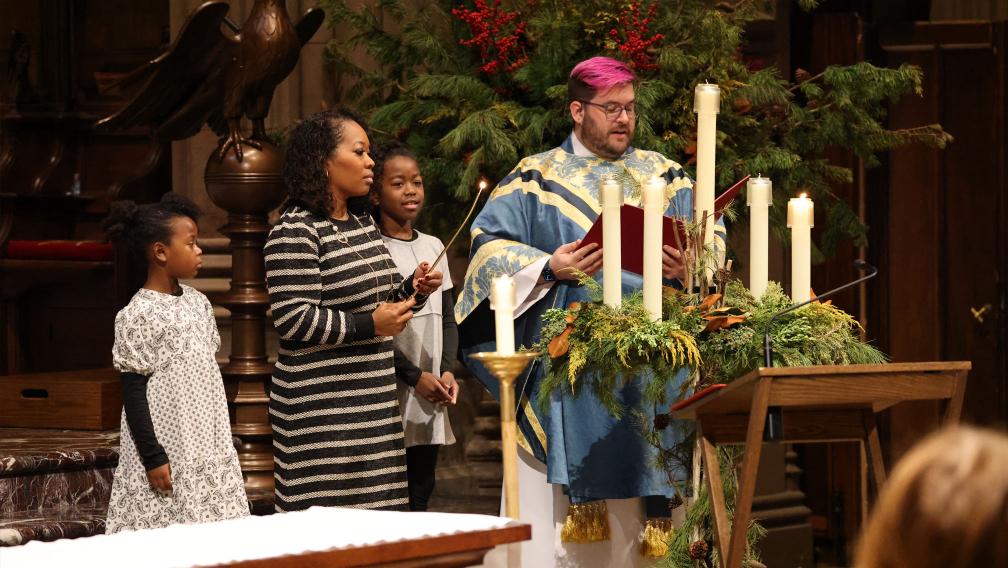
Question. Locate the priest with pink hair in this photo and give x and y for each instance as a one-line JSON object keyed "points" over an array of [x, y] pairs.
{"points": [[584, 476]]}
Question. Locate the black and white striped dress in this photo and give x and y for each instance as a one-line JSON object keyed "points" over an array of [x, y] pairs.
{"points": [[337, 432]]}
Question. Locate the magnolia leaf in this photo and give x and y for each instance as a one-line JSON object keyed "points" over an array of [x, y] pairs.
{"points": [[722, 322], [724, 311], [559, 345], [706, 304], [816, 300]]}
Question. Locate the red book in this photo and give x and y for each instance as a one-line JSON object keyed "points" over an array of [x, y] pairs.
{"points": [[632, 236], [632, 230]]}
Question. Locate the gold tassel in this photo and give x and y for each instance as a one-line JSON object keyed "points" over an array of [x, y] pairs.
{"points": [[586, 522], [655, 537]]}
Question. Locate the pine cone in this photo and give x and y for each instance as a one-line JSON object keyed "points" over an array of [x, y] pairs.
{"points": [[675, 502], [661, 421], [698, 550]]}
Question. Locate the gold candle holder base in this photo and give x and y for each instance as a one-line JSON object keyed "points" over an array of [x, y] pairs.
{"points": [[506, 368]]}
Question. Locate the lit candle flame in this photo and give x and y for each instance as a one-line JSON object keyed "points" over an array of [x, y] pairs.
{"points": [[802, 195], [482, 184]]}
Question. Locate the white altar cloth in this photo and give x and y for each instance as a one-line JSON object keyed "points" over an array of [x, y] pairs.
{"points": [[251, 538]]}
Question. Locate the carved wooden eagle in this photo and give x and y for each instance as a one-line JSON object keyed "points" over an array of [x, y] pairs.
{"points": [[214, 77]]}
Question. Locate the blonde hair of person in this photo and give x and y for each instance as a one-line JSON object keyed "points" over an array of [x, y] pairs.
{"points": [[945, 505]]}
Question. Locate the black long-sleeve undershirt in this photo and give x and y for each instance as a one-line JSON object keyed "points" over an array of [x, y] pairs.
{"points": [[134, 398], [449, 350]]}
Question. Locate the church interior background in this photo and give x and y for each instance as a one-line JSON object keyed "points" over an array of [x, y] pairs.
{"points": [[937, 222]]}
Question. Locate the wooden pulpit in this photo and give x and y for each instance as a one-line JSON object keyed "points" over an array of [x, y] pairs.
{"points": [[817, 404]]}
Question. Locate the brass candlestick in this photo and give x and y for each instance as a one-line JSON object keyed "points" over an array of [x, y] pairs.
{"points": [[506, 368]]}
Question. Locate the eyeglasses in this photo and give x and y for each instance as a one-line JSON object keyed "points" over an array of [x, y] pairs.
{"points": [[614, 110]]}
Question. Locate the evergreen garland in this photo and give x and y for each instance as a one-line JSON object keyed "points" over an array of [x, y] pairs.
{"points": [[591, 344], [473, 85], [817, 334]]}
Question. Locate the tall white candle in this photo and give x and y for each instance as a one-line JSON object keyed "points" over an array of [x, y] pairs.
{"points": [[611, 194], [759, 196], [502, 302], [800, 219], [706, 104], [653, 200]]}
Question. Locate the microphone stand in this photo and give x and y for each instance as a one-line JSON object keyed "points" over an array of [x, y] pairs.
{"points": [[774, 423]]}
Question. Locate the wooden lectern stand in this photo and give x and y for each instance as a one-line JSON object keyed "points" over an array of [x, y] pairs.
{"points": [[818, 404]]}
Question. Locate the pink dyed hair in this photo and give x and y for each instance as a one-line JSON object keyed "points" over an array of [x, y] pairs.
{"points": [[597, 74]]}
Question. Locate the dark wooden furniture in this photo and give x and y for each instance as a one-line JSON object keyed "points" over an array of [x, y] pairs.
{"points": [[819, 404], [940, 219], [82, 400], [57, 314]]}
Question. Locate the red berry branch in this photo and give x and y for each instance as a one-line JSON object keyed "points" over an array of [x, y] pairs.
{"points": [[497, 35], [634, 42]]}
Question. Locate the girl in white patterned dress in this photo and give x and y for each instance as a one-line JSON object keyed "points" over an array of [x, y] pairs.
{"points": [[177, 462]]}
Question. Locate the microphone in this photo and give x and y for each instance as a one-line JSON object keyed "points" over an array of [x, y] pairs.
{"points": [[774, 427], [858, 264]]}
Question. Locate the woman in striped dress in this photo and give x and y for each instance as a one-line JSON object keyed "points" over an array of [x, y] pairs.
{"points": [[336, 298]]}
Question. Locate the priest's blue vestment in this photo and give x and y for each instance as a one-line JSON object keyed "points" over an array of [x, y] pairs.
{"points": [[550, 199]]}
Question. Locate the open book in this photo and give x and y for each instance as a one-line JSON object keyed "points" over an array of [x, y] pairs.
{"points": [[632, 229]]}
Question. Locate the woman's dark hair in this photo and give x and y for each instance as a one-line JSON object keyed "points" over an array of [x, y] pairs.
{"points": [[137, 227], [380, 155], [310, 144]]}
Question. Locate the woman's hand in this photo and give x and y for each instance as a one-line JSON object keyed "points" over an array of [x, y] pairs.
{"points": [[425, 280], [160, 478], [568, 259], [431, 389], [391, 318], [450, 385]]}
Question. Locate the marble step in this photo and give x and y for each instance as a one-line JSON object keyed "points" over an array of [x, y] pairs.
{"points": [[54, 483], [20, 527], [31, 451]]}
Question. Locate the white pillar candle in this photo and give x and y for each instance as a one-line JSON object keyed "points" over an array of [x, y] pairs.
{"points": [[800, 220], [611, 194], [653, 200], [759, 196], [502, 302], [706, 104]]}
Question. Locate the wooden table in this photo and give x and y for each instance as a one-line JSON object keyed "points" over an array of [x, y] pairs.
{"points": [[818, 404]]}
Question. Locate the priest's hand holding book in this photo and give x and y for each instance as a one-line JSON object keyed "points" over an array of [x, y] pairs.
{"points": [[672, 264], [568, 261]]}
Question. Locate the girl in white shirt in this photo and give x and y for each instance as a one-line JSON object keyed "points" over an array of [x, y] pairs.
{"points": [[426, 350]]}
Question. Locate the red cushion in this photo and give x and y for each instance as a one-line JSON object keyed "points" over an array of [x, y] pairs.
{"points": [[59, 250]]}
